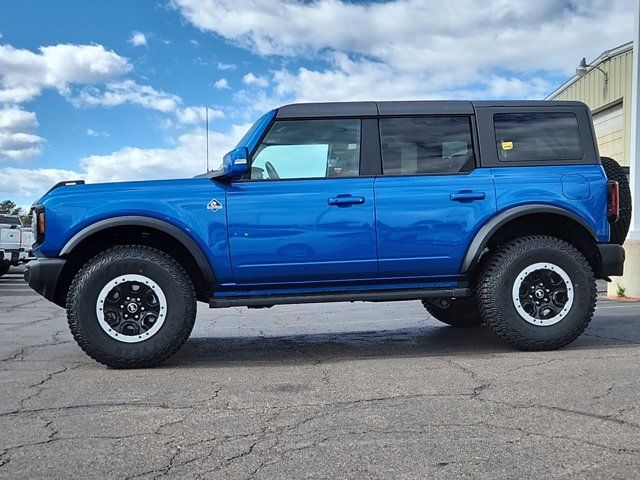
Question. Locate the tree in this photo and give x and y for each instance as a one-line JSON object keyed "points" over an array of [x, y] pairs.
{"points": [[10, 208]]}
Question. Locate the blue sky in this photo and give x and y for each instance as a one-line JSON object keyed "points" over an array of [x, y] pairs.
{"points": [[115, 90]]}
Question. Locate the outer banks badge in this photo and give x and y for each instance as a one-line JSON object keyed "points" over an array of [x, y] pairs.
{"points": [[214, 205]]}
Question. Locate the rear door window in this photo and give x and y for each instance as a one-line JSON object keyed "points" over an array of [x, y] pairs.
{"points": [[531, 137], [426, 145]]}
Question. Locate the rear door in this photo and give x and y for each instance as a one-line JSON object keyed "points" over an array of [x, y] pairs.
{"points": [[431, 198], [305, 215]]}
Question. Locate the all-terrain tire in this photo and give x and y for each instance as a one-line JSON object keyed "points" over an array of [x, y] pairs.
{"points": [[615, 172], [460, 312], [494, 292], [102, 269]]}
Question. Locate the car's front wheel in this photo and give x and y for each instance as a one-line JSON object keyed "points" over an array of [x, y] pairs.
{"points": [[131, 306], [537, 293]]}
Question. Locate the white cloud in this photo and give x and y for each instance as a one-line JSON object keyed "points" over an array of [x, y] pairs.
{"points": [[31, 183], [90, 132], [17, 140], [194, 42], [226, 66], [415, 48], [255, 80], [24, 74], [126, 91], [221, 84], [197, 115], [138, 39], [186, 159]]}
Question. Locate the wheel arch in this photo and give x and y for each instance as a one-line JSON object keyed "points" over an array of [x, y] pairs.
{"points": [[136, 229], [533, 219]]}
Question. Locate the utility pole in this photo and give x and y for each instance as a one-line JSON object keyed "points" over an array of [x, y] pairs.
{"points": [[206, 114], [634, 160]]}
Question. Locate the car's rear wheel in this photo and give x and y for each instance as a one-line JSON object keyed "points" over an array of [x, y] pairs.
{"points": [[131, 306], [615, 172], [456, 312], [537, 293]]}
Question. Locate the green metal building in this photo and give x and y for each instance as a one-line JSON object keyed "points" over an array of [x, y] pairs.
{"points": [[606, 89]]}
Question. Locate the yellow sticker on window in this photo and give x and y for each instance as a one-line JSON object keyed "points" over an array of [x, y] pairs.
{"points": [[507, 145]]}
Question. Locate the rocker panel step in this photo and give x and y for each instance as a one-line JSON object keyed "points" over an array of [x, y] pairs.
{"points": [[359, 296]]}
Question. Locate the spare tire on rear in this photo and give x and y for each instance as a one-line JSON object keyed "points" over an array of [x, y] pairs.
{"points": [[615, 172]]}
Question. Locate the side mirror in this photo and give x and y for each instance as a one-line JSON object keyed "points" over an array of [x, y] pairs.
{"points": [[235, 163]]}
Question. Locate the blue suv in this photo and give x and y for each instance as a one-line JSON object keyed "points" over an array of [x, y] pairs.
{"points": [[494, 213]]}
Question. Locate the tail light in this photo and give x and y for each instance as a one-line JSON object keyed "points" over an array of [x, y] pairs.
{"points": [[613, 201]]}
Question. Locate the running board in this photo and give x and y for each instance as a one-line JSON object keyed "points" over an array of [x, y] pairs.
{"points": [[359, 296]]}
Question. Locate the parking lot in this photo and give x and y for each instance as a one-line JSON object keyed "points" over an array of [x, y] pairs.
{"points": [[322, 391]]}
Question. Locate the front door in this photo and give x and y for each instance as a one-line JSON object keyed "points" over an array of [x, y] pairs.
{"points": [[430, 200], [305, 215]]}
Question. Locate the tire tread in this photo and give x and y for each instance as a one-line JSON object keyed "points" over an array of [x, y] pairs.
{"points": [[488, 286], [137, 252]]}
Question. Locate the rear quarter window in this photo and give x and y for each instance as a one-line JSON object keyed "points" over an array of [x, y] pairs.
{"points": [[527, 137]]}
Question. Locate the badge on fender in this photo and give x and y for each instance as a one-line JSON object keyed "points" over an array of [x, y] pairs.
{"points": [[214, 205]]}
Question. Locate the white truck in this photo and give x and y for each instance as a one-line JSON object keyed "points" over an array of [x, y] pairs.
{"points": [[15, 242]]}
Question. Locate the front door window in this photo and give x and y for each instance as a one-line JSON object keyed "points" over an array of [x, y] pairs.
{"points": [[298, 149]]}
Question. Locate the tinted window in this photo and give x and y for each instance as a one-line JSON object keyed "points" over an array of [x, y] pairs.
{"points": [[426, 145], [6, 220], [537, 136], [308, 149]]}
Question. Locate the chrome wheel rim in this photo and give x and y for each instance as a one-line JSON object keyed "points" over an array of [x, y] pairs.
{"points": [[131, 308], [543, 294]]}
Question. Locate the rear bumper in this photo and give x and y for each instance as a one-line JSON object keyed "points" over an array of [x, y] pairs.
{"points": [[11, 256], [611, 260], [43, 274]]}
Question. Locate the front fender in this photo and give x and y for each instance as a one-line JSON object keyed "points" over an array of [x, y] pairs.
{"points": [[137, 220]]}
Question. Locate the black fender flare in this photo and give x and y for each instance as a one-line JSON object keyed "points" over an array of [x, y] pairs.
{"points": [[138, 220], [485, 233]]}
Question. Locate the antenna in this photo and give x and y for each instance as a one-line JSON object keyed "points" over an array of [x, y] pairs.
{"points": [[207, 128]]}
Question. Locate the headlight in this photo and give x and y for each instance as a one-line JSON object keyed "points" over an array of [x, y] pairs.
{"points": [[38, 223]]}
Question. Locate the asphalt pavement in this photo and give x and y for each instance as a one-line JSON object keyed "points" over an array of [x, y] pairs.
{"points": [[344, 390]]}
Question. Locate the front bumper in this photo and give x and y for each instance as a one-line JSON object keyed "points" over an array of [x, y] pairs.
{"points": [[43, 274], [611, 260]]}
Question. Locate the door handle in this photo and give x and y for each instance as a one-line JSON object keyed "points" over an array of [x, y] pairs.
{"points": [[344, 200], [466, 196]]}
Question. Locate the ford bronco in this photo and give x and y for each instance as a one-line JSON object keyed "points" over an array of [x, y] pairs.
{"points": [[491, 213]]}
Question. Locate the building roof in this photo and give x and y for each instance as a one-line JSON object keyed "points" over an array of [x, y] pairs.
{"points": [[604, 56], [418, 107]]}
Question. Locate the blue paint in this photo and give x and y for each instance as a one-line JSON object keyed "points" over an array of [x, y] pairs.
{"points": [[421, 230], [286, 230], [182, 203], [334, 234], [543, 185]]}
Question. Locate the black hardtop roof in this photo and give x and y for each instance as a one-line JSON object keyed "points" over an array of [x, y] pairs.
{"points": [[418, 107]]}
